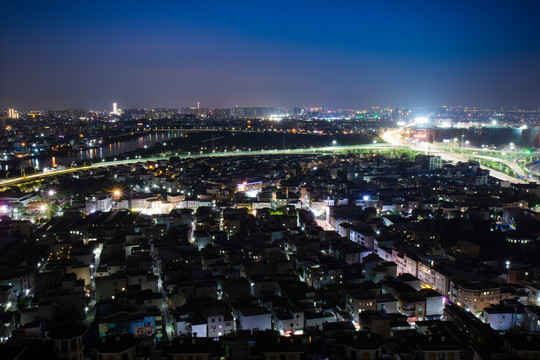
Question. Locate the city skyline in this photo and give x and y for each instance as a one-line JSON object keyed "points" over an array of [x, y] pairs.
{"points": [[347, 55], [117, 110]]}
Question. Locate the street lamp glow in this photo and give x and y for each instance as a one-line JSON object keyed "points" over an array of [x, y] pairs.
{"points": [[51, 192], [421, 120], [116, 192]]}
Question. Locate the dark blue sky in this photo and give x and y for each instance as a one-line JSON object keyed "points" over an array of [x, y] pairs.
{"points": [[84, 54]]}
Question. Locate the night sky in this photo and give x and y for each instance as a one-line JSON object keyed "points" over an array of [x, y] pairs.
{"points": [[79, 54]]}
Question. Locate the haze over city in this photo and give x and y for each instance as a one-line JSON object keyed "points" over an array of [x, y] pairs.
{"points": [[349, 54]]}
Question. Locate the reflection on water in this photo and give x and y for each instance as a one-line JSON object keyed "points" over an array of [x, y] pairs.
{"points": [[112, 149]]}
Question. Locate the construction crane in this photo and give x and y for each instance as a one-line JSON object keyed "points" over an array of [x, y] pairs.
{"points": [[213, 140]]}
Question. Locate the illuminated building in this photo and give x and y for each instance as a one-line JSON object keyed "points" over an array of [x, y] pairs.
{"points": [[250, 188], [13, 114], [476, 296], [116, 110]]}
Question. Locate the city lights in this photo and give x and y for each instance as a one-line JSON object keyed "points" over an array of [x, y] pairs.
{"points": [[117, 192], [270, 180]]}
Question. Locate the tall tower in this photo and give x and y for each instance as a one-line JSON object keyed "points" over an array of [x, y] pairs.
{"points": [[115, 109]]}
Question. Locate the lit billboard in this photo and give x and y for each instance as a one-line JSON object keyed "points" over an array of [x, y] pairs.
{"points": [[144, 327]]}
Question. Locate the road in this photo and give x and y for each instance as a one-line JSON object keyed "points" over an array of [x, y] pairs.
{"points": [[392, 138], [532, 169], [102, 164]]}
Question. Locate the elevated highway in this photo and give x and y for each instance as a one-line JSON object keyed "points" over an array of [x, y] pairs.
{"points": [[327, 149], [392, 138]]}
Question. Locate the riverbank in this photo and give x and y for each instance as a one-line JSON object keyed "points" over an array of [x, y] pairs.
{"points": [[115, 145], [218, 141], [151, 143]]}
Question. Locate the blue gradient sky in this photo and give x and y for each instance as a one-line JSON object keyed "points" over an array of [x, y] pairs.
{"points": [[283, 53]]}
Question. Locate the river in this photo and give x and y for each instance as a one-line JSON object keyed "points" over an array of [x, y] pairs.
{"points": [[93, 154], [180, 139]]}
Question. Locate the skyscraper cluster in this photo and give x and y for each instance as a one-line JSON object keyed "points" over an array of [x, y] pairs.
{"points": [[13, 114]]}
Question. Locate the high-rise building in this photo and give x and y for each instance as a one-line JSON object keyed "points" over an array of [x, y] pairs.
{"points": [[253, 112], [115, 109], [13, 114], [72, 114], [202, 112], [221, 113]]}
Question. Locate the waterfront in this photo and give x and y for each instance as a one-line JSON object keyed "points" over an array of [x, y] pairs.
{"points": [[102, 152], [154, 143]]}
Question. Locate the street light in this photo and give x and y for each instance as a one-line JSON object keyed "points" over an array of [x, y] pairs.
{"points": [[51, 192], [116, 192]]}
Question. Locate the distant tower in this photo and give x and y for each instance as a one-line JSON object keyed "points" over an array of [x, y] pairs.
{"points": [[115, 109], [198, 105]]}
